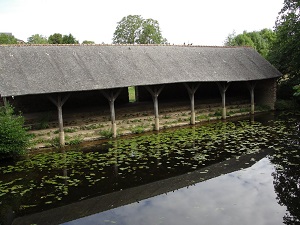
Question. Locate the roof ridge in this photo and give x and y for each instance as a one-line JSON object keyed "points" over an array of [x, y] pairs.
{"points": [[150, 45]]}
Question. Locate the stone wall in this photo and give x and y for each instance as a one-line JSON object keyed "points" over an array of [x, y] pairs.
{"points": [[265, 92]]}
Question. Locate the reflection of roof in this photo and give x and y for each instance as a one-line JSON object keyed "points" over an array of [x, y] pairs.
{"points": [[116, 199], [63, 68]]}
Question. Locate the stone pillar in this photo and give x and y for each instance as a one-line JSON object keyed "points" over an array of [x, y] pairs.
{"points": [[223, 86], [111, 97], [192, 88], [59, 102], [251, 86], [155, 91]]}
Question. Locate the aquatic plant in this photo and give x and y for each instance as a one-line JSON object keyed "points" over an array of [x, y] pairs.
{"points": [[50, 178]]}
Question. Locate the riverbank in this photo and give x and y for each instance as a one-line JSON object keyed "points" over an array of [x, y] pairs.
{"points": [[134, 118]]}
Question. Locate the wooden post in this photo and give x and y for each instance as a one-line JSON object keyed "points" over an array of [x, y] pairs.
{"points": [[155, 91], [223, 86], [59, 102], [5, 103], [111, 97], [191, 91], [251, 85], [136, 94]]}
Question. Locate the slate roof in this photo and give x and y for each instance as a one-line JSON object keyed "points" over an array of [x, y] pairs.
{"points": [[39, 69]]}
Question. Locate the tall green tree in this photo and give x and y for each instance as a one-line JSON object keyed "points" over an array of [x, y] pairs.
{"points": [[133, 29], [285, 53], [37, 39], [7, 39], [55, 38], [69, 39], [286, 49], [259, 40]]}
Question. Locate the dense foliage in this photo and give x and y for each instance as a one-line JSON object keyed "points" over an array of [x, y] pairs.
{"points": [[133, 29], [58, 38], [37, 39], [259, 40], [13, 136], [7, 39], [285, 53]]}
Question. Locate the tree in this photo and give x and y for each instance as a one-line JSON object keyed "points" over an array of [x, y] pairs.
{"points": [[259, 40], [134, 29], [69, 39], [7, 39], [151, 33], [37, 39], [85, 42], [13, 136], [285, 53], [55, 38]]}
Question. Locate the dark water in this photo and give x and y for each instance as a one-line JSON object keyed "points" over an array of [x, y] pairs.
{"points": [[238, 172]]}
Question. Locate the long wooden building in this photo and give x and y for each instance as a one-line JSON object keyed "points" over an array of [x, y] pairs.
{"points": [[33, 76]]}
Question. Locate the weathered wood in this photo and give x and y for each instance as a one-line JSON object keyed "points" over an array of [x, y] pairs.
{"points": [[5, 103], [59, 102], [111, 97], [155, 91], [192, 88], [251, 86], [136, 92], [223, 86]]}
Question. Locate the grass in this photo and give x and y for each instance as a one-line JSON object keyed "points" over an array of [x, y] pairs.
{"points": [[131, 93]]}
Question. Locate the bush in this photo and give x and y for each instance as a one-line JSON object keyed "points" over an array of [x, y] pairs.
{"points": [[14, 139], [286, 105], [106, 133], [137, 130]]}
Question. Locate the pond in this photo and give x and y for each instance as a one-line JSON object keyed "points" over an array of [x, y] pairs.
{"points": [[234, 172]]}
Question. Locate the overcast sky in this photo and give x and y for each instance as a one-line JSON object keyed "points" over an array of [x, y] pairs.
{"points": [[200, 22]]}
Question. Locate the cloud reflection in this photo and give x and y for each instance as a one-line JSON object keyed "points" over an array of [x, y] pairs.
{"points": [[243, 197]]}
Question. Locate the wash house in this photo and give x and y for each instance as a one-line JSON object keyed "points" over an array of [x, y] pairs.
{"points": [[38, 78]]}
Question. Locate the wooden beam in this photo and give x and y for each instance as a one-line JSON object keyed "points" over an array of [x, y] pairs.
{"points": [[192, 88], [111, 96], [59, 102], [223, 86], [251, 86], [155, 91]]}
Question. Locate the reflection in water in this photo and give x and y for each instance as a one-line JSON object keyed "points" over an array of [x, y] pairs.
{"points": [[287, 176], [128, 171], [243, 197]]}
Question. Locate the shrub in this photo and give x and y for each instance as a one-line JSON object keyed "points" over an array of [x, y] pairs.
{"points": [[75, 141], [14, 138], [286, 104], [106, 133], [218, 113], [137, 130]]}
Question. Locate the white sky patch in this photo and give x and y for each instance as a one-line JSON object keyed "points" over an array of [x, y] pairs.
{"points": [[192, 21]]}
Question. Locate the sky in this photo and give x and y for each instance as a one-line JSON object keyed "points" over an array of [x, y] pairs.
{"points": [[197, 22]]}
